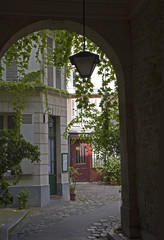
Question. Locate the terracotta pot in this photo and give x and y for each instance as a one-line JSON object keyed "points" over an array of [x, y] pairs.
{"points": [[25, 204], [72, 196], [113, 182]]}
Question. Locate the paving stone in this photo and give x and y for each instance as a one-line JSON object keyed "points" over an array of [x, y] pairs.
{"points": [[103, 235], [95, 196], [97, 224], [104, 220], [92, 226], [105, 224], [91, 237], [95, 234]]}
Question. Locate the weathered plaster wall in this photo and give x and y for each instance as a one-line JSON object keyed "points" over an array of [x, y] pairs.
{"points": [[146, 30]]}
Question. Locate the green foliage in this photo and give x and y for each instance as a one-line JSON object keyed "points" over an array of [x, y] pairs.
{"points": [[23, 196], [112, 170], [13, 148], [104, 125], [62, 51], [5, 196], [21, 50]]}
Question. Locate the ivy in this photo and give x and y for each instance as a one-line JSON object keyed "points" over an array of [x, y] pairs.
{"points": [[104, 125]]}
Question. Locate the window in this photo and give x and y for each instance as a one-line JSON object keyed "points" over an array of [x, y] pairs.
{"points": [[74, 81], [10, 122], [11, 71], [50, 66], [58, 78], [80, 153], [1, 122], [74, 111], [7, 121], [96, 162], [27, 118]]}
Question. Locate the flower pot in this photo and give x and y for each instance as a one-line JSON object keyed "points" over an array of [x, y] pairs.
{"points": [[25, 204], [72, 196], [113, 182]]}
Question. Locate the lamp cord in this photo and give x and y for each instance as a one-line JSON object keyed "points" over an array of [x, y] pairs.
{"points": [[84, 24]]}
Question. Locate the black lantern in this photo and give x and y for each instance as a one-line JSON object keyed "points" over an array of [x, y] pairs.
{"points": [[84, 61], [50, 119], [50, 122]]}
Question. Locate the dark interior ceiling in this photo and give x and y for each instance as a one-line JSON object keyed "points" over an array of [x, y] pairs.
{"points": [[106, 9]]}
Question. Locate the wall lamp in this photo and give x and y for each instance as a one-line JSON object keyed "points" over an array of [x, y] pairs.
{"points": [[85, 62], [50, 118]]}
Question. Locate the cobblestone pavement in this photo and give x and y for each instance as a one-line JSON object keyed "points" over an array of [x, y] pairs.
{"points": [[89, 198]]}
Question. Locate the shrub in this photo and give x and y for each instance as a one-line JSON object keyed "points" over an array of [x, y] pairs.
{"points": [[112, 170], [13, 149]]}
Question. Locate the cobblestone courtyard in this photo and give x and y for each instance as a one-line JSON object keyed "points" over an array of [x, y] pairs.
{"points": [[90, 198]]}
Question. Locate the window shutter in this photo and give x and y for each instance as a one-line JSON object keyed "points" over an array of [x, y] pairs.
{"points": [[11, 122], [27, 118], [50, 67], [11, 71], [74, 81], [1, 122], [58, 78]]}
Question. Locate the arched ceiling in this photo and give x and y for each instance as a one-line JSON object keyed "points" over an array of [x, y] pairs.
{"points": [[103, 9]]}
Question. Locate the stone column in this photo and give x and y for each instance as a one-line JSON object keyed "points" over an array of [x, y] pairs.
{"points": [[129, 210]]}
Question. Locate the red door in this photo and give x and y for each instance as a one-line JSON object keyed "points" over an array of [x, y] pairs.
{"points": [[81, 157]]}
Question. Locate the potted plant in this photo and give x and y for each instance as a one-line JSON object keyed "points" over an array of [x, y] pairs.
{"points": [[23, 196], [113, 181], [73, 174]]}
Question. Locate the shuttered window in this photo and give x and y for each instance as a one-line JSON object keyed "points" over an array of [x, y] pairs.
{"points": [[50, 67], [11, 71], [7, 121], [74, 81], [1, 122], [27, 118], [58, 78], [10, 122]]}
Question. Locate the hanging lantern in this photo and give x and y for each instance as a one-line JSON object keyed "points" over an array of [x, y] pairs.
{"points": [[85, 62]]}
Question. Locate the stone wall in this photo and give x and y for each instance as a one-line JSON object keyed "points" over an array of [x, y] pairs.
{"points": [[146, 32]]}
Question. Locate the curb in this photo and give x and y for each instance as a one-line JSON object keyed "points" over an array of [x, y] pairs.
{"points": [[113, 235], [5, 229]]}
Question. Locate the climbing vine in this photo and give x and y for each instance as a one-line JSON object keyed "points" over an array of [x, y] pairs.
{"points": [[103, 125]]}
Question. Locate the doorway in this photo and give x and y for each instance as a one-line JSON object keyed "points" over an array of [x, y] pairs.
{"points": [[81, 160], [52, 157]]}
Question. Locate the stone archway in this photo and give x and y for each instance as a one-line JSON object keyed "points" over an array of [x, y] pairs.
{"points": [[130, 221]]}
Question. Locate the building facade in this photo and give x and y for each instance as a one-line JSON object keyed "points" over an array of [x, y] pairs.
{"points": [[45, 178], [81, 154], [130, 33]]}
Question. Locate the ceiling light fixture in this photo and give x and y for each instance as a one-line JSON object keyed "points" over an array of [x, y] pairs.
{"points": [[85, 61]]}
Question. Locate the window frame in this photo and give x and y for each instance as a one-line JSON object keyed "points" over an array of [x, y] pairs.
{"points": [[80, 154]]}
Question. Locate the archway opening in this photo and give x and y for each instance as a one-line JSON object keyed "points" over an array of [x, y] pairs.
{"points": [[57, 121]]}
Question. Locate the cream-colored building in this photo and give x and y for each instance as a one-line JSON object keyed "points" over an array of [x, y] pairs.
{"points": [[47, 177], [131, 34]]}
